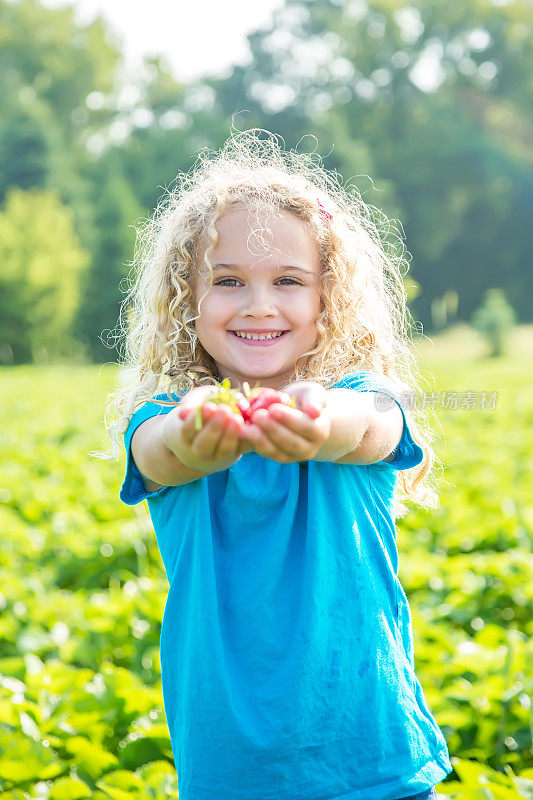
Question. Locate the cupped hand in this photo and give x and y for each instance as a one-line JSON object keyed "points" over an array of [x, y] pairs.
{"points": [[219, 443], [286, 434]]}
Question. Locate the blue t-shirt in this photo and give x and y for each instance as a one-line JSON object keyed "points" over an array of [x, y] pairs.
{"points": [[286, 643]]}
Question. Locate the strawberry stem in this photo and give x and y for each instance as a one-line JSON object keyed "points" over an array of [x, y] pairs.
{"points": [[198, 419]]}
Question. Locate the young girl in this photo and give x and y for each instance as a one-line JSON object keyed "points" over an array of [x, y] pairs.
{"points": [[286, 643]]}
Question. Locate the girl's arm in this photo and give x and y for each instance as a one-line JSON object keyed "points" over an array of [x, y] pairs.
{"points": [[337, 425], [363, 430], [157, 464]]}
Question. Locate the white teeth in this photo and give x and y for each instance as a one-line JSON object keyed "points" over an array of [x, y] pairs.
{"points": [[259, 335]]}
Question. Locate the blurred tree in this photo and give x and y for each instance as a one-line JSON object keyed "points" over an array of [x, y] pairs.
{"points": [[435, 100], [444, 309], [169, 125], [494, 320], [116, 209], [28, 139], [42, 261], [108, 143], [161, 131], [49, 53], [54, 77]]}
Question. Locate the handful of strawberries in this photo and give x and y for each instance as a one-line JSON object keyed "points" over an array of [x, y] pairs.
{"points": [[244, 404]]}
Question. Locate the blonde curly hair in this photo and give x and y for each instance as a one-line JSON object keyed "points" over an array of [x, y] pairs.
{"points": [[364, 322]]}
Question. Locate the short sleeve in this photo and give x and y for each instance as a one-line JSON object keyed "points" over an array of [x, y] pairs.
{"points": [[133, 490], [408, 453]]}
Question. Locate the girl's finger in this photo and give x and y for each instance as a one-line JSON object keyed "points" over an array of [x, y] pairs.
{"points": [[298, 422], [260, 442], [275, 439], [208, 441], [310, 410], [189, 431], [230, 440], [312, 402]]}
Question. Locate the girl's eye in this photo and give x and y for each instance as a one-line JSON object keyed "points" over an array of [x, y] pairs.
{"points": [[223, 282]]}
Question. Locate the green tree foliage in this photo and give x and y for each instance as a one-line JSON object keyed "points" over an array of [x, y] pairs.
{"points": [[108, 144], [47, 51], [42, 261], [115, 211], [164, 128], [494, 320], [48, 67], [434, 99], [28, 139], [54, 78], [168, 125]]}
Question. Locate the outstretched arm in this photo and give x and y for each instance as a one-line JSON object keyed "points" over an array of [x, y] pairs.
{"points": [[363, 430], [337, 425]]}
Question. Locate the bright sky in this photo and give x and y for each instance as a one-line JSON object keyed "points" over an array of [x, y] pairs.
{"points": [[199, 37]]}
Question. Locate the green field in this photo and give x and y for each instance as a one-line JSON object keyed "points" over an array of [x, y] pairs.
{"points": [[82, 588]]}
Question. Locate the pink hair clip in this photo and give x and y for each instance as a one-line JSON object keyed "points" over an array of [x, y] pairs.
{"points": [[323, 213]]}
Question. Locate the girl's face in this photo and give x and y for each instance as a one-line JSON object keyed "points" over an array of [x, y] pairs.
{"points": [[269, 286]]}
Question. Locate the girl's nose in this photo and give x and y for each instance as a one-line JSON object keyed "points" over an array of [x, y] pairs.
{"points": [[259, 301]]}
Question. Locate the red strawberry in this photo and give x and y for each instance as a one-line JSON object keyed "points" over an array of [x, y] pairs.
{"points": [[265, 398]]}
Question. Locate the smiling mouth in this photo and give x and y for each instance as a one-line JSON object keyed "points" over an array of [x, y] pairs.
{"points": [[258, 341], [262, 340]]}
